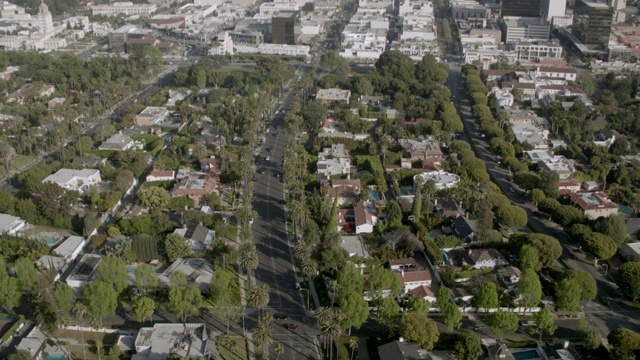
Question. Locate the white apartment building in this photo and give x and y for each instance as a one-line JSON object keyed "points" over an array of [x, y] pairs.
{"points": [[11, 225], [503, 97], [387, 5], [569, 74], [267, 10], [123, 8], [532, 51], [416, 48], [553, 8], [363, 45], [272, 49], [75, 180], [487, 57], [335, 166]]}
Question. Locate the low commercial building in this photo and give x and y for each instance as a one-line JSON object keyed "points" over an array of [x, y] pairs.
{"points": [[75, 180], [486, 57], [167, 21], [594, 204], [123, 8], [162, 341], [537, 50]]}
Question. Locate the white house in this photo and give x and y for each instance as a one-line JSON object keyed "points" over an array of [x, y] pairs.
{"points": [[76, 180], [161, 175], [414, 279], [366, 217], [402, 264], [486, 258], [10, 225], [425, 293], [510, 276], [70, 248], [442, 179], [200, 237]]}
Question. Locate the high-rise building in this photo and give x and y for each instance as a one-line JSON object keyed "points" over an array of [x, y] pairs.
{"points": [[619, 16], [285, 27], [524, 8], [592, 23], [552, 8]]}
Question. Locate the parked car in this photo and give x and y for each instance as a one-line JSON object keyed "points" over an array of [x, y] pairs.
{"points": [[292, 326], [280, 317]]}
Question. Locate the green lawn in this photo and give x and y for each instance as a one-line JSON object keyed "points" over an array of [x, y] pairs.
{"points": [[18, 163], [90, 339], [238, 352]]}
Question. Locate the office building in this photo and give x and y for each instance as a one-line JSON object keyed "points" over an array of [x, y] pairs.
{"points": [[525, 8], [619, 16], [553, 8], [592, 23], [516, 29], [286, 27]]}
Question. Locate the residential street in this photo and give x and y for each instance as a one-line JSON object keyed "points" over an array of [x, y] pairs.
{"points": [[621, 314]]}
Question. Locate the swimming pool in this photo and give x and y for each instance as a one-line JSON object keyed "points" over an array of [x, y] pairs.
{"points": [[49, 240], [526, 355], [56, 356], [374, 195]]}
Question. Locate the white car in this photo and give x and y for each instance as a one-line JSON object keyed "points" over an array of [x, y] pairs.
{"points": [[267, 130], [267, 158], [251, 221]]}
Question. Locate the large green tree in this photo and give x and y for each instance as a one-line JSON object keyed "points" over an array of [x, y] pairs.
{"points": [[185, 301], [26, 273], [628, 279], [101, 299], [224, 293], [355, 309], [113, 271], [529, 289], [175, 247], [142, 308], [625, 343], [543, 323], [568, 294], [146, 279], [503, 322], [589, 289], [467, 346], [487, 298], [529, 258], [63, 296], [419, 329], [155, 197]]}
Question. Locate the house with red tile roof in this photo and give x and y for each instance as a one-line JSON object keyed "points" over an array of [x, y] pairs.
{"points": [[402, 264], [486, 258], [414, 279], [196, 188], [347, 190], [161, 175], [594, 204], [365, 217], [424, 292]]}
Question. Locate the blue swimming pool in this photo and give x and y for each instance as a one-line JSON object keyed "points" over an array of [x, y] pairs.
{"points": [[374, 195], [49, 240], [56, 356], [526, 355]]}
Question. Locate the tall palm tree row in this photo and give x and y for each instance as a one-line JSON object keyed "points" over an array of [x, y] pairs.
{"points": [[259, 298], [263, 337], [248, 258]]}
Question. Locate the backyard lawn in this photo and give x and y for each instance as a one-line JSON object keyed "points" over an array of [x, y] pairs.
{"points": [[74, 339]]}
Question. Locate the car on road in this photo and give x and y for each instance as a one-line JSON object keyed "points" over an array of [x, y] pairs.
{"points": [[267, 158], [268, 149], [297, 286], [292, 326], [280, 317], [251, 221], [512, 189], [267, 130]]}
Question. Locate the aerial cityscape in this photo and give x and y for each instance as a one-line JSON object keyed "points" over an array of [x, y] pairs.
{"points": [[320, 179]]}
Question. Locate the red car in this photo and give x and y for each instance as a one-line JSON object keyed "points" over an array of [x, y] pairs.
{"points": [[292, 326]]}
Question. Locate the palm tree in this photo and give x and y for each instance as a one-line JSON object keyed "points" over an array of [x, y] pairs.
{"points": [[259, 298], [248, 259], [262, 337], [353, 345], [331, 330], [302, 250], [309, 267], [199, 151], [279, 349], [79, 310], [298, 213]]}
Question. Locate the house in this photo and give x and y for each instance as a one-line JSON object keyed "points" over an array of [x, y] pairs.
{"points": [[594, 204], [402, 264], [420, 148], [447, 207], [365, 217], [606, 137], [84, 272], [590, 186], [630, 251], [161, 175], [374, 101], [347, 190], [413, 279], [162, 341], [32, 345], [509, 276], [211, 165], [75, 180], [11, 225], [499, 352], [198, 272], [48, 262], [91, 161], [176, 97], [121, 142], [151, 115], [463, 228], [336, 151], [195, 187], [210, 135], [199, 236], [425, 293], [441, 179], [400, 350], [354, 246], [569, 185], [633, 227], [486, 258], [345, 219], [335, 166], [70, 248], [333, 95]]}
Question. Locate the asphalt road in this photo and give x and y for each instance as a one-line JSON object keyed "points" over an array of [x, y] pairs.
{"points": [[274, 253], [622, 314]]}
